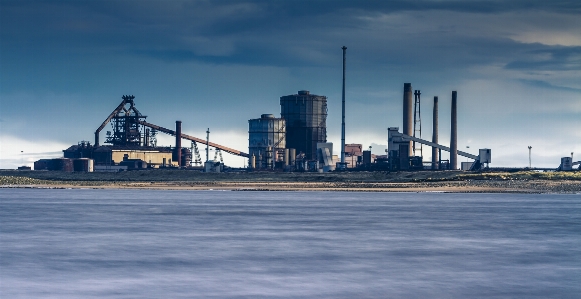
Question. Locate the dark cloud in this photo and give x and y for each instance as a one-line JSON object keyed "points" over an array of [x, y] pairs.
{"points": [[70, 61], [549, 59]]}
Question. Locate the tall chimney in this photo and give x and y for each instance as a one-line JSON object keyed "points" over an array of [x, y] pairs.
{"points": [[179, 142], [408, 113], [454, 135], [343, 114], [435, 135]]}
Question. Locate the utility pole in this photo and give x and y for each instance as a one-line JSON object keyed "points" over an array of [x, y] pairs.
{"points": [[530, 156]]}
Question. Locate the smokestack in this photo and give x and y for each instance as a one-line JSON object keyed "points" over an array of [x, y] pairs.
{"points": [[435, 135], [407, 113], [454, 135], [343, 114], [179, 142]]}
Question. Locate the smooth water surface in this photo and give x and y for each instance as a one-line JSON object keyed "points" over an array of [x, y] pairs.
{"points": [[220, 244]]}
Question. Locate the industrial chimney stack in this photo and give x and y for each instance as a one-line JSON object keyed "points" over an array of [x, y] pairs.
{"points": [[435, 164], [408, 114], [454, 135], [179, 142]]}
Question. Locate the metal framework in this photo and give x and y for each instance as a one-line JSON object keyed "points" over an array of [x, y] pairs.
{"points": [[218, 153], [196, 153]]}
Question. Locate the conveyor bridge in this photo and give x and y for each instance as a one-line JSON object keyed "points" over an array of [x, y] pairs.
{"points": [[192, 138]]}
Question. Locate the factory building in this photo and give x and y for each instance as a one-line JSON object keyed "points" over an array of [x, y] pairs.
{"points": [[305, 115], [112, 155], [353, 154], [266, 140], [132, 143], [159, 157]]}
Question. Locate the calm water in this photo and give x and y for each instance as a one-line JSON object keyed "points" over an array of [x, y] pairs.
{"points": [[219, 244]]}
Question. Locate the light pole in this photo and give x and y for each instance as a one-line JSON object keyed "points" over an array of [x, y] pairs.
{"points": [[22, 158], [467, 147], [342, 166], [530, 156]]}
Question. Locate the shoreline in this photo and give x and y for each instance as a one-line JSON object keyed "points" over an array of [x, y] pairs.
{"points": [[526, 182], [522, 187]]}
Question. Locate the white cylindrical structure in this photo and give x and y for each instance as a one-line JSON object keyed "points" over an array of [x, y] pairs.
{"points": [[253, 161]]}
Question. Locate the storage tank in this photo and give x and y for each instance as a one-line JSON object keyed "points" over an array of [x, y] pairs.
{"points": [[61, 164], [83, 165], [265, 133], [306, 121]]}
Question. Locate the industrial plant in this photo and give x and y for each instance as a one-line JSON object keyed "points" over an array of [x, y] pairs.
{"points": [[295, 141]]}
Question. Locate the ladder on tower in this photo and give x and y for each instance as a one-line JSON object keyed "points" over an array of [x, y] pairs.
{"points": [[275, 146], [279, 132], [417, 123]]}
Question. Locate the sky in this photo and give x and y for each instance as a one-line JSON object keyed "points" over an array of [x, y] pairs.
{"points": [[516, 65]]}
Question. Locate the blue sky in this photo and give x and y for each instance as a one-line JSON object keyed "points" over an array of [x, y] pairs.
{"points": [[516, 65]]}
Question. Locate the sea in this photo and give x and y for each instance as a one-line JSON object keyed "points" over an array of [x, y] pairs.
{"points": [[108, 243]]}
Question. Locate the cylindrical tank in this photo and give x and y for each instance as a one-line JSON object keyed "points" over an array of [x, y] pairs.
{"points": [[61, 164], [83, 165], [269, 157], [186, 157], [286, 158], [306, 121], [253, 161], [264, 132], [454, 135]]}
